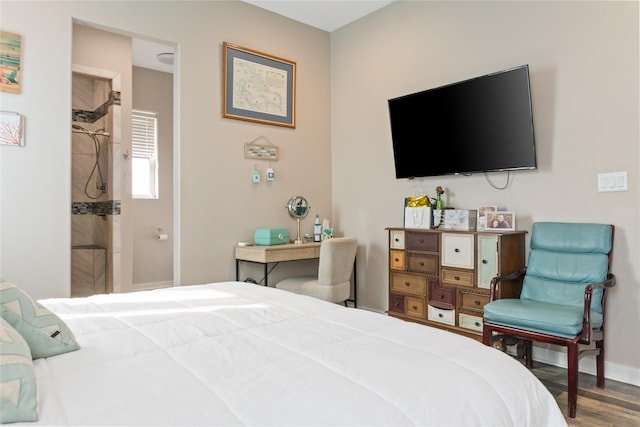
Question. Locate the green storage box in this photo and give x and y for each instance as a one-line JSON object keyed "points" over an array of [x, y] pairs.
{"points": [[271, 236]]}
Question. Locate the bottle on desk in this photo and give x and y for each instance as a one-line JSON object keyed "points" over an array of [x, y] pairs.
{"points": [[317, 229]]}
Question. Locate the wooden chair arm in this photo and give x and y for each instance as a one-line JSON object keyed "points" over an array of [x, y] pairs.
{"points": [[495, 282], [588, 292]]}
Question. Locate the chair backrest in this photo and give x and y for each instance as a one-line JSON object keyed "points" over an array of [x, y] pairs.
{"points": [[336, 260], [564, 258]]}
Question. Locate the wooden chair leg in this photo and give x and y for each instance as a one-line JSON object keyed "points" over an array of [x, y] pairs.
{"points": [[528, 354], [600, 364], [486, 336], [572, 380]]}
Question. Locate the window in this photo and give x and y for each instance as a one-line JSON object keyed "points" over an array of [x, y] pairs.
{"points": [[144, 154]]}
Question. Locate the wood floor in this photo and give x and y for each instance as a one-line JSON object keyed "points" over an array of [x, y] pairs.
{"points": [[618, 404]]}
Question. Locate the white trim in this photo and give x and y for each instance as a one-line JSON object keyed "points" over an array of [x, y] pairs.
{"points": [[612, 371], [150, 286]]}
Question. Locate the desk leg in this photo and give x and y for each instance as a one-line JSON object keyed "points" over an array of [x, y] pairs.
{"points": [[355, 286], [237, 270], [266, 274]]}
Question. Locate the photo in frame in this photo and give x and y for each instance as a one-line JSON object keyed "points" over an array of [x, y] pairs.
{"points": [[11, 129], [501, 221], [10, 62], [482, 216], [258, 87]]}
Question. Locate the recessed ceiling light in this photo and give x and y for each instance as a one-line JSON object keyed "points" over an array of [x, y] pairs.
{"points": [[165, 58]]}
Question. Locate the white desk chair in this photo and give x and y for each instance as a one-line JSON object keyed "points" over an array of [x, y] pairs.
{"points": [[333, 282]]}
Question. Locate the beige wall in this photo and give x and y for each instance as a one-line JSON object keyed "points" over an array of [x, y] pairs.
{"points": [[584, 69], [583, 59], [153, 258], [218, 204]]}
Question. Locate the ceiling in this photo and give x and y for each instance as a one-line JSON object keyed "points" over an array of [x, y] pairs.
{"points": [[327, 15]]}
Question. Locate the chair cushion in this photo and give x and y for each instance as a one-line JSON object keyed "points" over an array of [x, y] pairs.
{"points": [[308, 285], [553, 319], [564, 258], [571, 237]]}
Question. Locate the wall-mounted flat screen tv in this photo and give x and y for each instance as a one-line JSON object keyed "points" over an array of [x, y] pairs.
{"points": [[484, 124]]}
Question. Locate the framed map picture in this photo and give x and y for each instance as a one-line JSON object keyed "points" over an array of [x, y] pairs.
{"points": [[258, 87]]}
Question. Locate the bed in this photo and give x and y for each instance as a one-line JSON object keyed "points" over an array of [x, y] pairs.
{"points": [[234, 353]]}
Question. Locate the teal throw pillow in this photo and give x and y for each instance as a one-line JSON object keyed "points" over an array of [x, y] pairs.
{"points": [[46, 334], [17, 377]]}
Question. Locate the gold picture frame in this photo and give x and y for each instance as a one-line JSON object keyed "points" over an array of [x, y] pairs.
{"points": [[257, 87]]}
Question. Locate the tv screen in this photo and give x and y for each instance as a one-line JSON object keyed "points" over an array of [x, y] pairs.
{"points": [[484, 124]]}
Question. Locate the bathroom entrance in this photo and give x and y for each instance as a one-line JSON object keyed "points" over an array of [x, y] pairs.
{"points": [[95, 198]]}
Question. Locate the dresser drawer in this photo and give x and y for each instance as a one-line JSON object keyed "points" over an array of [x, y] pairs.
{"points": [[441, 297], [458, 250], [422, 241], [396, 239], [440, 315], [472, 301], [415, 307], [409, 284], [457, 277], [396, 259], [423, 263], [396, 303], [470, 322]]}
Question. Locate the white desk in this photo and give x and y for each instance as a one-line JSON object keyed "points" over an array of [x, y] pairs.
{"points": [[280, 253]]}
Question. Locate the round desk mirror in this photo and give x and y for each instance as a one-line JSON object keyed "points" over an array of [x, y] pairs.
{"points": [[298, 208]]}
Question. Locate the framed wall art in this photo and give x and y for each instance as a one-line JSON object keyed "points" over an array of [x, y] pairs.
{"points": [[258, 87], [501, 221], [10, 60], [11, 129]]}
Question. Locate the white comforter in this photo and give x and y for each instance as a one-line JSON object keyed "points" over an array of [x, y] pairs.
{"points": [[240, 354]]}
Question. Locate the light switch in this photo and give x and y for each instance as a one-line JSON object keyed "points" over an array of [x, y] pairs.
{"points": [[612, 181]]}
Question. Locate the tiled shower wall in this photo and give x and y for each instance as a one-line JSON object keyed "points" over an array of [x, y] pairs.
{"points": [[95, 216]]}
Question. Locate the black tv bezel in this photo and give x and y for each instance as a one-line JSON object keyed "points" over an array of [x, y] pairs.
{"points": [[426, 171]]}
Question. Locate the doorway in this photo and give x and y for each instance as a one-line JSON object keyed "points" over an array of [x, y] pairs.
{"points": [[123, 230]]}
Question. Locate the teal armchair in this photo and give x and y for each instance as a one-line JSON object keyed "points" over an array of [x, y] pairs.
{"points": [[563, 296]]}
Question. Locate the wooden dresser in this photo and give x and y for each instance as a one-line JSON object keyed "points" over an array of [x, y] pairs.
{"points": [[441, 278]]}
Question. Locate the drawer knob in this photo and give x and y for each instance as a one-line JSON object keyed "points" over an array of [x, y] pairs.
{"points": [[456, 250], [421, 264], [407, 283], [440, 315], [477, 302], [484, 261], [456, 277], [421, 241], [396, 259], [478, 324], [414, 307], [441, 296]]}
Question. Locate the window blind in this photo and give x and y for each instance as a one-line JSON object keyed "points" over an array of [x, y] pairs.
{"points": [[144, 134]]}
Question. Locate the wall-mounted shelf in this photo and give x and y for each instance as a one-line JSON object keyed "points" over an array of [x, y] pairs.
{"points": [[255, 151]]}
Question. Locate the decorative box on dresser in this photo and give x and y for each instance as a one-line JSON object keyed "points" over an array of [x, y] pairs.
{"points": [[442, 278]]}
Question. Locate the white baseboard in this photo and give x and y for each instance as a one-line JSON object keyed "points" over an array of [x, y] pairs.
{"points": [[613, 371], [152, 285]]}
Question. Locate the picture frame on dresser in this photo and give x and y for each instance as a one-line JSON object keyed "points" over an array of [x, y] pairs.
{"points": [[481, 223], [501, 221]]}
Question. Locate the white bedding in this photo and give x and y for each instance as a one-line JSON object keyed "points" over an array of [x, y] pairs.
{"points": [[240, 354]]}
